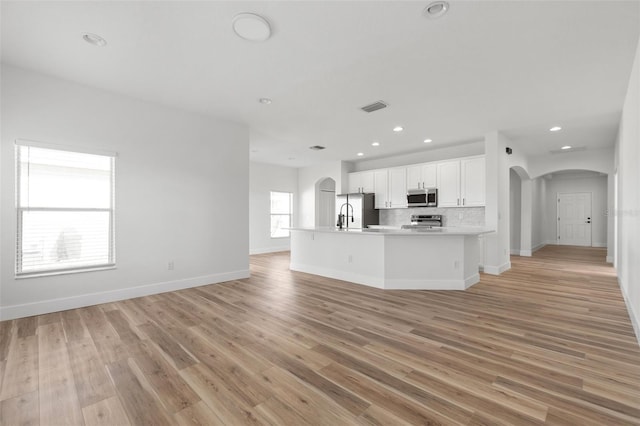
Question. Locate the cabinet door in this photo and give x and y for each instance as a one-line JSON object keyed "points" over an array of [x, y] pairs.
{"points": [[449, 184], [398, 187], [380, 178], [473, 178], [429, 176], [355, 182], [414, 177], [367, 182]]}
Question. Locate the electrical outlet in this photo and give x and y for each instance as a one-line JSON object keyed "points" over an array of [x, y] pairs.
{"points": [[170, 266]]}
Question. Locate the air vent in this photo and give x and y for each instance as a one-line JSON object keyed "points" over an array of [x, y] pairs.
{"points": [[374, 106], [316, 148]]}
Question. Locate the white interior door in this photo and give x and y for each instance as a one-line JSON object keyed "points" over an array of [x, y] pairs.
{"points": [[574, 219], [327, 208]]}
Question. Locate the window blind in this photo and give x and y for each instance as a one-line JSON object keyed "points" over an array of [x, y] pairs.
{"points": [[65, 210], [281, 209]]}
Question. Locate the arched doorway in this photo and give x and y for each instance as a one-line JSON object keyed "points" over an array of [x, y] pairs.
{"points": [[325, 202]]}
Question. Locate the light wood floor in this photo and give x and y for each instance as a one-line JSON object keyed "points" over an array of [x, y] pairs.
{"points": [[548, 342]]}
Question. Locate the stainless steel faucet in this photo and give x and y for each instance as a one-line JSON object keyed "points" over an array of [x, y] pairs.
{"points": [[341, 216]]}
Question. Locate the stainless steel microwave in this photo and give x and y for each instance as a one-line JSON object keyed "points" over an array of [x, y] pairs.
{"points": [[422, 197]]}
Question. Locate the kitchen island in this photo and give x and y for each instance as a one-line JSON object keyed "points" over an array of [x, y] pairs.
{"points": [[426, 259]]}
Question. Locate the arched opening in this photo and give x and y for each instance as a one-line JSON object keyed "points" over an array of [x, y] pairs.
{"points": [[325, 190]]}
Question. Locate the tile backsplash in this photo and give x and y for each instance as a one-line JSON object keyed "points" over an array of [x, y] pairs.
{"points": [[460, 216]]}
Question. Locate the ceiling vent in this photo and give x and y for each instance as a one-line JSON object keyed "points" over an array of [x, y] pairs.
{"points": [[565, 151], [374, 106], [316, 148]]}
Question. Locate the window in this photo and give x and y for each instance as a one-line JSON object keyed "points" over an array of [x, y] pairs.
{"points": [[281, 207], [65, 210]]}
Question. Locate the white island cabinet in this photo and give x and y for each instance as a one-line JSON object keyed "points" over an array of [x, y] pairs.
{"points": [[440, 259]]}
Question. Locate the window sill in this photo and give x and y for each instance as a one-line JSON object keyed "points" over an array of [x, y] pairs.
{"points": [[63, 272]]}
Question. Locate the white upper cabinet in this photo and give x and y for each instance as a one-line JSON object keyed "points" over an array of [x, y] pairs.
{"points": [[449, 184], [398, 187], [381, 184], [361, 182], [391, 188], [461, 183], [472, 188], [422, 176]]}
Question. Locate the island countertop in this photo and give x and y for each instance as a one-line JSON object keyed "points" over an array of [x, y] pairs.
{"points": [[471, 230]]}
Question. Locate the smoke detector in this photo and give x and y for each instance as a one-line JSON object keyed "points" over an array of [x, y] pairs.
{"points": [[436, 9]]}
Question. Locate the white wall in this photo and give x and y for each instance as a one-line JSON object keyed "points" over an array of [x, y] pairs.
{"points": [[515, 213], [498, 164], [628, 209], [597, 186], [435, 154], [308, 177], [180, 179], [264, 178], [538, 213]]}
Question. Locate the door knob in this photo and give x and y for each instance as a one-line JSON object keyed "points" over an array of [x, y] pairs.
{"points": [[588, 221]]}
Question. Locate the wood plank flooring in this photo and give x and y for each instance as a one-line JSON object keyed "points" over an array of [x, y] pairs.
{"points": [[548, 342]]}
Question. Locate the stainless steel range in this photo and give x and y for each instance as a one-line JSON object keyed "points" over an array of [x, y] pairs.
{"points": [[424, 221]]}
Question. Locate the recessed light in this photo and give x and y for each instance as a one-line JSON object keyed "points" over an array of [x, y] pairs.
{"points": [[251, 27], [94, 39], [375, 144], [436, 9], [428, 140], [566, 147], [265, 101], [555, 128], [360, 154], [398, 129]]}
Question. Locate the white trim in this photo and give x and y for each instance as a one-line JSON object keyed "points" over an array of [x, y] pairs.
{"points": [[609, 259], [268, 250], [63, 304], [633, 316], [497, 270], [515, 252], [60, 147], [525, 253], [598, 244]]}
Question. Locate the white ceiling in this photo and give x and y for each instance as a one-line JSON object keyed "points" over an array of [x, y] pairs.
{"points": [[516, 66]]}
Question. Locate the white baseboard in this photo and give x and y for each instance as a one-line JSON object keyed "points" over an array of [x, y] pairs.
{"points": [[497, 270], [609, 259], [525, 253], [633, 315], [268, 250], [552, 243], [537, 247], [63, 304], [515, 252], [598, 244]]}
